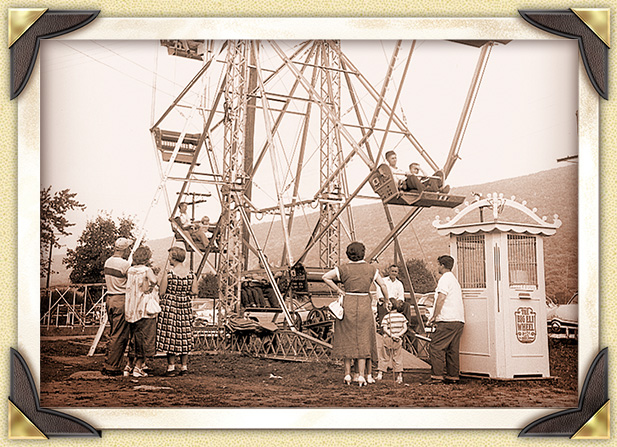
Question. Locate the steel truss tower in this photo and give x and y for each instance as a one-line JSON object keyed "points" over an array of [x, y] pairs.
{"points": [[330, 154], [234, 178]]}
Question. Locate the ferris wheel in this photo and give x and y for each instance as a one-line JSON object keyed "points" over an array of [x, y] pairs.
{"points": [[289, 136]]}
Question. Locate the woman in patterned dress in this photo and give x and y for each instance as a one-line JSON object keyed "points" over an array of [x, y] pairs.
{"points": [[354, 335], [174, 333]]}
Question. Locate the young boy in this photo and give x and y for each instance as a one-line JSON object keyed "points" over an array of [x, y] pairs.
{"points": [[394, 326], [202, 231]]}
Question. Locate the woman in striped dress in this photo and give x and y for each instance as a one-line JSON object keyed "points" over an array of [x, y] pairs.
{"points": [[174, 333], [354, 335]]}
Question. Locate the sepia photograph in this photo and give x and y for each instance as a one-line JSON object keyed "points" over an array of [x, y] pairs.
{"points": [[309, 224]]}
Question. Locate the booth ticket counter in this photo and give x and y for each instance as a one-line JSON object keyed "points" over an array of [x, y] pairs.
{"points": [[497, 245]]}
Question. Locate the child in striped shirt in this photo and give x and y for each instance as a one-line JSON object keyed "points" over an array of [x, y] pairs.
{"points": [[394, 326]]}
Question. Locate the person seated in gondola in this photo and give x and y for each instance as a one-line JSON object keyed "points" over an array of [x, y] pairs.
{"points": [[197, 231], [415, 179], [399, 175], [202, 231]]}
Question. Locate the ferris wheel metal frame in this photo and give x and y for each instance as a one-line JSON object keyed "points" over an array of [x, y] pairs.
{"points": [[322, 73]]}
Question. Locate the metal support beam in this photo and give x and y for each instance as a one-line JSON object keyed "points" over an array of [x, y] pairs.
{"points": [[468, 107], [329, 156], [235, 105]]}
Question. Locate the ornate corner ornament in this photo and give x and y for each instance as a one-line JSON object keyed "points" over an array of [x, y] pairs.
{"points": [[26, 29], [591, 27], [591, 420], [27, 420]]}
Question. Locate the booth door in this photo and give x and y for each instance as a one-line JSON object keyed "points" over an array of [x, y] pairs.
{"points": [[477, 349], [526, 336]]}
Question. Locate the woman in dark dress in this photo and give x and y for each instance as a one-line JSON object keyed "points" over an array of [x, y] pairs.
{"points": [[174, 334], [354, 335]]}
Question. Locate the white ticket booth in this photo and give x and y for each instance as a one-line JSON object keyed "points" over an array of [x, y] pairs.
{"points": [[497, 245]]}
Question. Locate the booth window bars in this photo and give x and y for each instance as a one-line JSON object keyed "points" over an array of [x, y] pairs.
{"points": [[522, 260], [471, 261]]}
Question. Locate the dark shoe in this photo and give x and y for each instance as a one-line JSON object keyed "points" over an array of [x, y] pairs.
{"points": [[111, 372], [172, 373], [183, 372], [451, 379]]}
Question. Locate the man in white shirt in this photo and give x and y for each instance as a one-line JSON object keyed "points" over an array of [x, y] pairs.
{"points": [[400, 176], [395, 290], [449, 320], [395, 287]]}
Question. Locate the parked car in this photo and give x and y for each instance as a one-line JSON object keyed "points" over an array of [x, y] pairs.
{"points": [[562, 319], [426, 303]]}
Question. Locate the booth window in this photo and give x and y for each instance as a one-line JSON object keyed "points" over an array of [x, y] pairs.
{"points": [[522, 260], [471, 261]]}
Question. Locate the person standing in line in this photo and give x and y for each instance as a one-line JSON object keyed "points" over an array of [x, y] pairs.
{"points": [[449, 320], [174, 334], [394, 326], [395, 290], [115, 271], [354, 335], [141, 287], [394, 285]]}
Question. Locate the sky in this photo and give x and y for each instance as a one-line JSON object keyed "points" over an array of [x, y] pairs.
{"points": [[100, 98]]}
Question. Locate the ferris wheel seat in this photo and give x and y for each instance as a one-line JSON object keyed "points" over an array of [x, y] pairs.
{"points": [[383, 183], [425, 199], [166, 141], [191, 244]]}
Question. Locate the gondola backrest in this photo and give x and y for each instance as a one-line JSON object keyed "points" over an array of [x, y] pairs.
{"points": [[383, 183]]}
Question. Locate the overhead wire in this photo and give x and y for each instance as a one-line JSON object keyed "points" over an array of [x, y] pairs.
{"points": [[141, 81]]}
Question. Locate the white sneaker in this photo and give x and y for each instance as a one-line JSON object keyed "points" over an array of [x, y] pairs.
{"points": [[127, 371], [369, 379], [379, 376], [137, 372], [399, 378]]}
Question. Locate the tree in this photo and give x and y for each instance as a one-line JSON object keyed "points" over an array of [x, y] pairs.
{"points": [[421, 277], [94, 246], [54, 222], [208, 286]]}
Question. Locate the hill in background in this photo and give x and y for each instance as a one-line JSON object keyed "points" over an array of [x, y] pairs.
{"points": [[551, 192]]}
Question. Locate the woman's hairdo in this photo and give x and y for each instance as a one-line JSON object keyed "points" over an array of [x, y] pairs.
{"points": [[142, 255], [355, 251], [177, 254]]}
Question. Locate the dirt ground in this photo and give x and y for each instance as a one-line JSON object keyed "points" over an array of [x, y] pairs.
{"points": [[71, 379]]}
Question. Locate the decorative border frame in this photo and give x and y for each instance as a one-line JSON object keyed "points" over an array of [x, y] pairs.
{"points": [[598, 80]]}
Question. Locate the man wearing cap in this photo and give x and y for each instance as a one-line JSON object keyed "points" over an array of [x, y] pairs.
{"points": [[115, 271]]}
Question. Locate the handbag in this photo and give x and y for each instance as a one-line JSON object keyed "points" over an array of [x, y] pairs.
{"points": [[152, 304], [336, 307]]}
